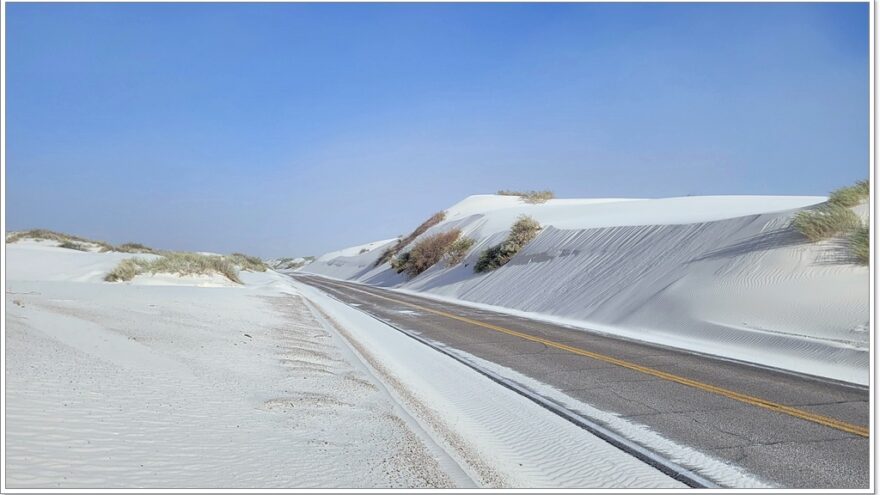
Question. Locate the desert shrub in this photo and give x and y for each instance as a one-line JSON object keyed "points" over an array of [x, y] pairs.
{"points": [[402, 243], [248, 263], [521, 233], [851, 195], [134, 247], [73, 245], [532, 197], [364, 250], [398, 263], [458, 250], [826, 221], [428, 251], [175, 263], [859, 244]]}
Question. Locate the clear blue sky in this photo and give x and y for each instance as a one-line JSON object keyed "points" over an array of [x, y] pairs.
{"points": [[296, 129]]}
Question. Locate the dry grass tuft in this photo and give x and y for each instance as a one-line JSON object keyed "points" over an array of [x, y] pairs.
{"points": [[59, 237], [826, 221], [860, 244], [248, 263], [175, 263], [73, 245], [851, 195], [134, 247]]}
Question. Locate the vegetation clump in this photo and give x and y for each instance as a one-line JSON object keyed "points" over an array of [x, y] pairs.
{"points": [[399, 262], [532, 197], [79, 243], [859, 244], [73, 245], [248, 263], [402, 243], [425, 253], [521, 233], [456, 251], [134, 247], [835, 216], [175, 263], [292, 263], [851, 195], [60, 238], [825, 221]]}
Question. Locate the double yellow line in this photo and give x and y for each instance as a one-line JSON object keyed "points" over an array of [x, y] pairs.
{"points": [[837, 424]]}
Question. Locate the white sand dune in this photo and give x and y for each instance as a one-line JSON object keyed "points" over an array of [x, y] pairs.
{"points": [[724, 275], [180, 386], [187, 382]]}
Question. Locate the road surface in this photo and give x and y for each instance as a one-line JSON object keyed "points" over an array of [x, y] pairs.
{"points": [[789, 430]]}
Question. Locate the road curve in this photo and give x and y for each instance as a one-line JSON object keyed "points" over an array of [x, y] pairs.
{"points": [[789, 430]]}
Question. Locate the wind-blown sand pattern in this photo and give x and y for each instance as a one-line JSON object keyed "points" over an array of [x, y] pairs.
{"points": [[724, 275], [130, 385], [184, 382]]}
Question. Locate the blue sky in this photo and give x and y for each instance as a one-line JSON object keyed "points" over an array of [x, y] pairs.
{"points": [[284, 129]]}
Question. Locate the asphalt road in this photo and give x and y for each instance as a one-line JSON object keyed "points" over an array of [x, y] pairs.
{"points": [[789, 430]]}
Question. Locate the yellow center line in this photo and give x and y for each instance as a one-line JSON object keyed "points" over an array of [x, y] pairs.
{"points": [[748, 399]]}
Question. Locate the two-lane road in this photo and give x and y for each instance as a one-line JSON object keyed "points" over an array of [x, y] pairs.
{"points": [[789, 430]]}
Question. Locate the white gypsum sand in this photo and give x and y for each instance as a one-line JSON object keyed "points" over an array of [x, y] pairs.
{"points": [[189, 382], [179, 386], [499, 437], [723, 275]]}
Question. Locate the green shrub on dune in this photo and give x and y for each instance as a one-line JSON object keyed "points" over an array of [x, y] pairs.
{"points": [[521, 233], [458, 250]]}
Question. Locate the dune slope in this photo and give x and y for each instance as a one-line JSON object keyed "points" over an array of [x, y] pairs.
{"points": [[725, 275]]}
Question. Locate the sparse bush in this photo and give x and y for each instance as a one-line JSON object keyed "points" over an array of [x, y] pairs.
{"points": [[851, 195], [364, 250], [402, 243], [398, 263], [825, 221], [175, 263], [248, 263], [458, 250], [521, 233], [532, 197], [73, 245], [428, 251], [859, 244], [134, 247]]}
